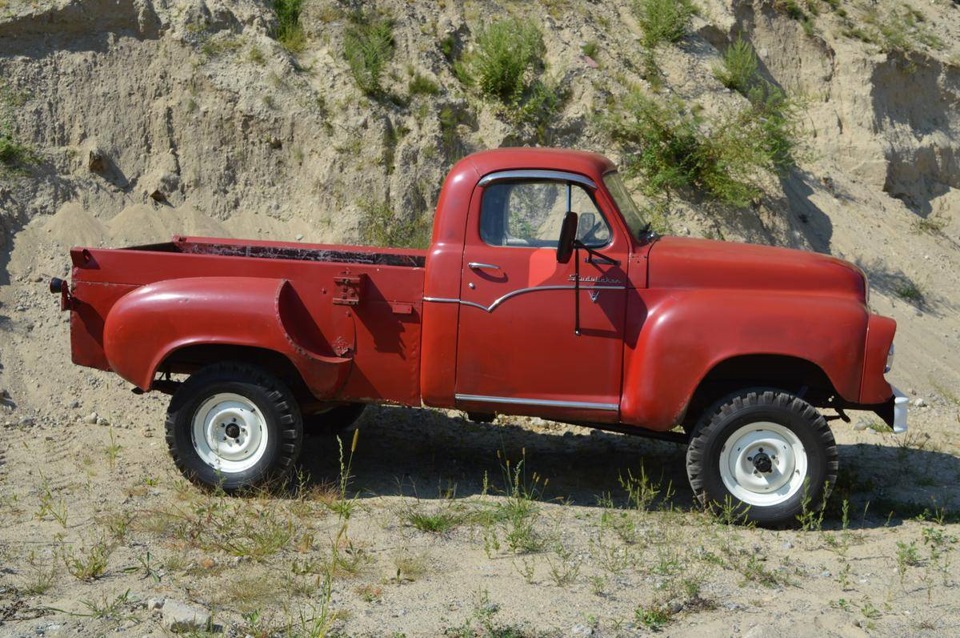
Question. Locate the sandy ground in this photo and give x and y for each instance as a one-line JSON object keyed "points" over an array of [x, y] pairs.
{"points": [[431, 534]]}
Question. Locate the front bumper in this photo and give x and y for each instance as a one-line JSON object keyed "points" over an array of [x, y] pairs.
{"points": [[894, 411]]}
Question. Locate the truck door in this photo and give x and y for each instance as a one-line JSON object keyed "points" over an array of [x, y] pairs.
{"points": [[517, 351]]}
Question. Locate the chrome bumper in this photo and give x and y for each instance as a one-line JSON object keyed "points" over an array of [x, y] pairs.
{"points": [[900, 404]]}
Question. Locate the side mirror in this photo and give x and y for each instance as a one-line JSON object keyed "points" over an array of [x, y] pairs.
{"points": [[568, 235]]}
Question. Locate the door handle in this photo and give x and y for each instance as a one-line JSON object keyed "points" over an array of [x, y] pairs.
{"points": [[476, 265]]}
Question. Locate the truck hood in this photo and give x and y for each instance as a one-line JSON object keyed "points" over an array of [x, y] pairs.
{"points": [[678, 262]]}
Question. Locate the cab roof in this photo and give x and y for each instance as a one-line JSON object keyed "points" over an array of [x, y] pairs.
{"points": [[592, 165]]}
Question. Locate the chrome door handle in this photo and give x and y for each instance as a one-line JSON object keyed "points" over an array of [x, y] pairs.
{"points": [[476, 265]]}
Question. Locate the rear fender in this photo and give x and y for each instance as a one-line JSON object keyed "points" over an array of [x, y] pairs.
{"points": [[149, 324], [688, 332]]}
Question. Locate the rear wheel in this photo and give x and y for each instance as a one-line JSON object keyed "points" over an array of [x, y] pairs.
{"points": [[768, 454], [234, 425]]}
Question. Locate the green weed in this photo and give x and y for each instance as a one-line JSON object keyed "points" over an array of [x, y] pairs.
{"points": [[409, 566], [506, 56], [506, 66], [347, 558], [812, 513], [51, 506], [566, 568], [725, 159], [514, 517], [14, 155], [42, 575], [436, 522], [908, 555], [344, 505], [654, 618], [738, 70], [368, 47], [663, 21], [87, 563], [450, 121], [289, 32], [910, 291], [796, 12], [901, 29], [422, 85], [117, 609], [484, 615], [112, 450], [214, 46], [929, 225], [641, 491]]}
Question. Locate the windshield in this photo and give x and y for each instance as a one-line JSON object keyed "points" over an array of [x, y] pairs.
{"points": [[628, 209]]}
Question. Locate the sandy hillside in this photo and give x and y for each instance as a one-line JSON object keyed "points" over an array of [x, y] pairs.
{"points": [[125, 122]]}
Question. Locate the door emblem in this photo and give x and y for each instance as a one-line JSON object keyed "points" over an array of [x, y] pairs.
{"points": [[594, 294]]}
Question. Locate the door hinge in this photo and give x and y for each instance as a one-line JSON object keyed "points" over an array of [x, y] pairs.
{"points": [[349, 289]]}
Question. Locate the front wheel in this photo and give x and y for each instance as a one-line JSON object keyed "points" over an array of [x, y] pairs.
{"points": [[234, 425], [766, 453]]}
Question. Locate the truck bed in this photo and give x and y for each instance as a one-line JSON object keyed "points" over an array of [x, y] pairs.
{"points": [[348, 317]]}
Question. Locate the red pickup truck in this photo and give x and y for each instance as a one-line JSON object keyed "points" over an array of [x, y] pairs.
{"points": [[544, 292]]}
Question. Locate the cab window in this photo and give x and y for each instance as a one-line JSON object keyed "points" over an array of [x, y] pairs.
{"points": [[530, 213]]}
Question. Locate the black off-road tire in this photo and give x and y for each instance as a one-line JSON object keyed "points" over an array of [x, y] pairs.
{"points": [[749, 432], [254, 400], [334, 421]]}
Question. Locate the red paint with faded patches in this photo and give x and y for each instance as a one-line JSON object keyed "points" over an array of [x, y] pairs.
{"points": [[490, 328]]}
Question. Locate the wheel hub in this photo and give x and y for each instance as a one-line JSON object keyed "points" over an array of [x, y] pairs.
{"points": [[763, 464], [762, 461], [229, 432]]}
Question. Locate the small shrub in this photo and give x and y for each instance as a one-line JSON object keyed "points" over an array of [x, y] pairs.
{"points": [[439, 521], [88, 563], [792, 8], [910, 291], [929, 225], [448, 46], [289, 31], [13, 154], [368, 47], [654, 618], [725, 158], [505, 59], [900, 30], [451, 142], [739, 68], [216, 46], [422, 85], [667, 138], [506, 66], [663, 21], [256, 56]]}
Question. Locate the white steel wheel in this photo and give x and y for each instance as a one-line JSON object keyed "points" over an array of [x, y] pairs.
{"points": [[233, 426], [766, 454], [763, 464], [229, 432]]}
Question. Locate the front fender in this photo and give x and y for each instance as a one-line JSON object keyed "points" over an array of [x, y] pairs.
{"points": [[144, 327], [686, 333]]}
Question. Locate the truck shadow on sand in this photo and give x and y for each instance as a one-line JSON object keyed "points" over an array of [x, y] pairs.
{"points": [[428, 455]]}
